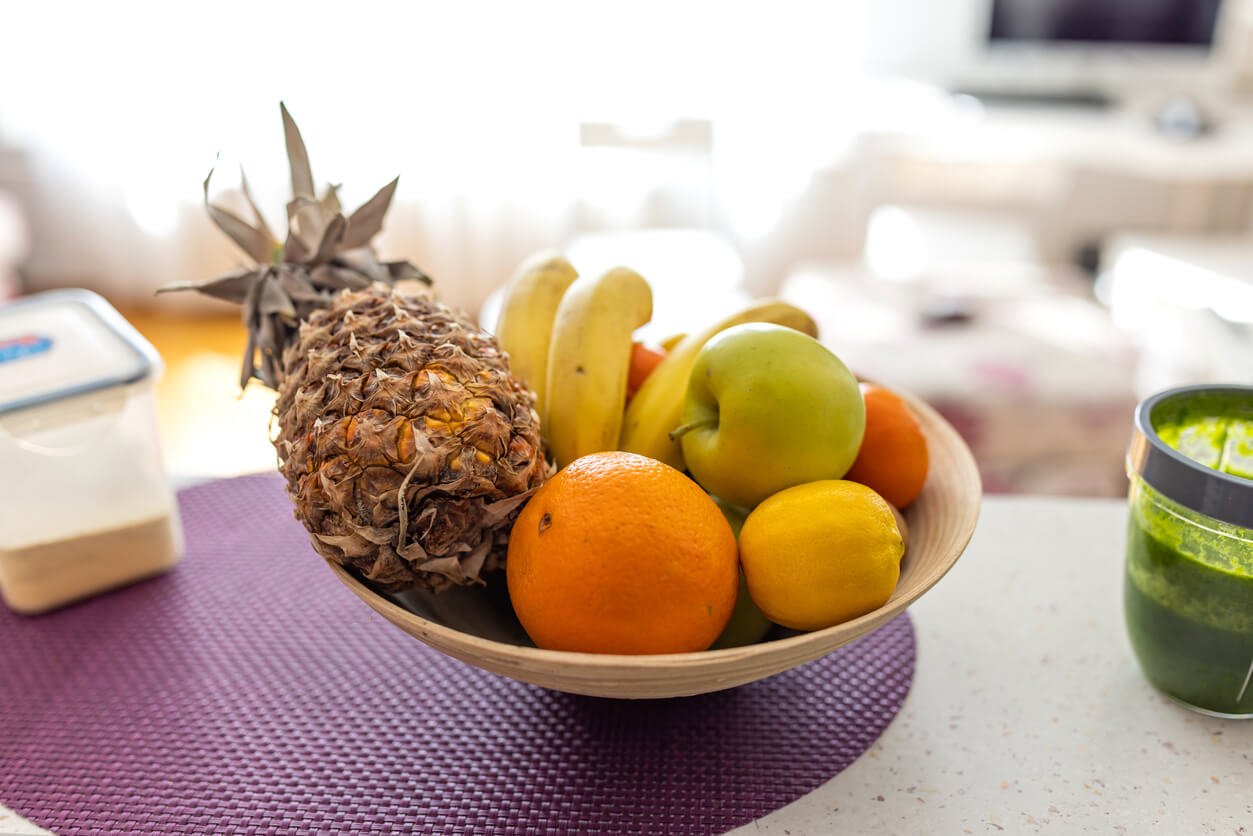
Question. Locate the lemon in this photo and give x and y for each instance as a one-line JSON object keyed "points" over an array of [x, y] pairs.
{"points": [[821, 553]]}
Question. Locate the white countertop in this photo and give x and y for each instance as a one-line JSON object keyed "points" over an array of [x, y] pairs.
{"points": [[1028, 712]]}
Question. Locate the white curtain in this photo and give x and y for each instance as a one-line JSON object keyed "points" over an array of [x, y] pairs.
{"points": [[113, 113]]}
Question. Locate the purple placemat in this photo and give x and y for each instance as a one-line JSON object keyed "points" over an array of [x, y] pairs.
{"points": [[248, 692]]}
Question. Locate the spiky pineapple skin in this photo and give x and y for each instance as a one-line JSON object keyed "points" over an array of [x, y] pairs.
{"points": [[384, 390]]}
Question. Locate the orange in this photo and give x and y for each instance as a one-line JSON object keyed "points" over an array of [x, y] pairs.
{"points": [[821, 553], [643, 361], [619, 553], [893, 456]]}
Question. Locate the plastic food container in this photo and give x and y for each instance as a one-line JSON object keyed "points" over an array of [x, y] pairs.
{"points": [[87, 505], [1188, 591]]}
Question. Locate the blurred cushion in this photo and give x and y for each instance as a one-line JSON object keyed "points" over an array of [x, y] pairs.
{"points": [[1038, 381]]}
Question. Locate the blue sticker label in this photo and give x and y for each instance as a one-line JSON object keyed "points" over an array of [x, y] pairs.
{"points": [[27, 345]]}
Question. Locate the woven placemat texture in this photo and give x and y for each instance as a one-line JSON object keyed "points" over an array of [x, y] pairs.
{"points": [[248, 691]]}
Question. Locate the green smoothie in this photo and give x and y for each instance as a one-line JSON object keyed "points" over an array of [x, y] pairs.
{"points": [[1188, 594], [1189, 604], [1211, 430]]}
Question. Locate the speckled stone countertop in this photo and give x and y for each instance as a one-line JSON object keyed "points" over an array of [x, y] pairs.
{"points": [[1028, 711]]}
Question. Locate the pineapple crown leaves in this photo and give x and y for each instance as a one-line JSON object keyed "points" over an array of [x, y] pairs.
{"points": [[325, 252]]}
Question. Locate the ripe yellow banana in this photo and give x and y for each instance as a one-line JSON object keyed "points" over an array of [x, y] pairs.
{"points": [[588, 362], [671, 341], [656, 408], [525, 326]]}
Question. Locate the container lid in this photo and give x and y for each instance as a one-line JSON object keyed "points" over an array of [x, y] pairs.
{"points": [[65, 343], [1194, 481]]}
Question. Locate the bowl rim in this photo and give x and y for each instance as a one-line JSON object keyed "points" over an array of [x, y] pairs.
{"points": [[854, 628]]}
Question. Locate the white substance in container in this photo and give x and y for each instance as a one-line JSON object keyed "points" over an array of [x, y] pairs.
{"points": [[85, 504]]}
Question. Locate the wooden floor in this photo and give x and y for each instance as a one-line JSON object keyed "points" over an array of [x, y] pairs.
{"points": [[208, 427]]}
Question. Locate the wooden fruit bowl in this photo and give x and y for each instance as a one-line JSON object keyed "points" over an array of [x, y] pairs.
{"points": [[477, 625]]}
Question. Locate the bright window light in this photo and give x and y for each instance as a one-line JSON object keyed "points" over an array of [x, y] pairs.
{"points": [[1142, 280], [895, 246]]}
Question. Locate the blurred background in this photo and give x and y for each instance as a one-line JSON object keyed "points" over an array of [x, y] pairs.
{"points": [[1029, 213]]}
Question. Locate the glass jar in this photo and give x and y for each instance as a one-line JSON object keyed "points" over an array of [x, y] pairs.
{"points": [[1188, 590]]}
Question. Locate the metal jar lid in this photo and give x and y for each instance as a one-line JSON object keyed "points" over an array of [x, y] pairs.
{"points": [[1216, 494]]}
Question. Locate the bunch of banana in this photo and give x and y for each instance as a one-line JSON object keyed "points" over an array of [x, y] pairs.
{"points": [[656, 408], [569, 337]]}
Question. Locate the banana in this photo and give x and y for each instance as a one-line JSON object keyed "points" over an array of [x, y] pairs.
{"points": [[656, 408], [671, 341], [525, 326], [588, 361]]}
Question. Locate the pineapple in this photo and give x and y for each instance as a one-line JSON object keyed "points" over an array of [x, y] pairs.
{"points": [[407, 445]]}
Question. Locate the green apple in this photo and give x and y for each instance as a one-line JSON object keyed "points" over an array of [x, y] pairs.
{"points": [[735, 516], [767, 408], [748, 624]]}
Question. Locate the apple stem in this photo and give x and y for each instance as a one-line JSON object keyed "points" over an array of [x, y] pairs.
{"points": [[704, 423]]}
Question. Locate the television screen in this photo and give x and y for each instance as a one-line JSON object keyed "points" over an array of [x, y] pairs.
{"points": [[1145, 22]]}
